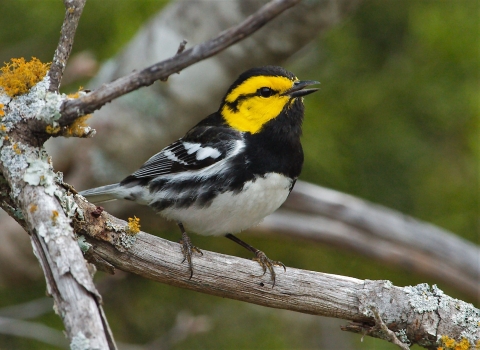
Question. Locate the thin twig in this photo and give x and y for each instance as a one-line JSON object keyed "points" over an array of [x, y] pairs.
{"points": [[73, 12], [72, 109], [392, 338], [181, 48]]}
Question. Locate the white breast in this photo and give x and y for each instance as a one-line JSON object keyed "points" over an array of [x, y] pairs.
{"points": [[233, 212]]}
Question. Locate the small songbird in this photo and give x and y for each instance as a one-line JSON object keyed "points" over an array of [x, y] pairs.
{"points": [[232, 169]]}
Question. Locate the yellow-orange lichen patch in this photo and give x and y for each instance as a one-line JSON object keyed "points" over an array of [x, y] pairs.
{"points": [[18, 76], [17, 149], [451, 344], [54, 216], [133, 225], [52, 130], [78, 127]]}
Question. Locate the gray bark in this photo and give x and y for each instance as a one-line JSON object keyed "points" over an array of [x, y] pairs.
{"points": [[415, 314]]}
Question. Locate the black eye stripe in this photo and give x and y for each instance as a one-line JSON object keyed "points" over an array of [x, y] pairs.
{"points": [[265, 92]]}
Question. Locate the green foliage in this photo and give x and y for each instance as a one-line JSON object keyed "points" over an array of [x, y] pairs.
{"points": [[396, 121]]}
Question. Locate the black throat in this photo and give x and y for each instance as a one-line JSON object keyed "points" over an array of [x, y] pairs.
{"points": [[277, 147]]}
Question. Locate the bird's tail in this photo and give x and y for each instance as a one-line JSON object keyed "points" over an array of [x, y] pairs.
{"points": [[101, 194]]}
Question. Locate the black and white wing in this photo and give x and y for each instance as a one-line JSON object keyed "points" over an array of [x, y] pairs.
{"points": [[201, 147]]}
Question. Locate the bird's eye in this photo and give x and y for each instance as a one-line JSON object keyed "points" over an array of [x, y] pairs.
{"points": [[265, 92]]}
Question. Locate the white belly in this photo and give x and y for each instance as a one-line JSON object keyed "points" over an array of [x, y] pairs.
{"points": [[234, 212]]}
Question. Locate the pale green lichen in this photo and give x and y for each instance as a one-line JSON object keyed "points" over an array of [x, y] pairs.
{"points": [[83, 244], [37, 103], [387, 284], [49, 232], [18, 214], [124, 240], [39, 172], [80, 342], [112, 227], [16, 163], [80, 214], [13, 211], [422, 298], [127, 240], [68, 204], [468, 318], [402, 336]]}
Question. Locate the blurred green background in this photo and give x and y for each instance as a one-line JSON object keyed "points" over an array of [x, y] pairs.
{"points": [[396, 122]]}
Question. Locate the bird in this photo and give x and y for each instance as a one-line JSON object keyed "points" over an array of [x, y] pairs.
{"points": [[232, 169]]}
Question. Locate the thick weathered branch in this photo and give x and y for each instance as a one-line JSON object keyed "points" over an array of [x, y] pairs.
{"points": [[328, 216], [73, 12], [71, 110], [417, 314], [41, 206]]}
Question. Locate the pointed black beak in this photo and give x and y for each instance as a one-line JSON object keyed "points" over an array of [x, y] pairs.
{"points": [[298, 90]]}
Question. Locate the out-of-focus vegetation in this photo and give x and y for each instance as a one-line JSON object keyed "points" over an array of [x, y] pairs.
{"points": [[396, 122]]}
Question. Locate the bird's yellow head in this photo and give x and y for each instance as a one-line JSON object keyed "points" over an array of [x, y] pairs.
{"points": [[260, 95]]}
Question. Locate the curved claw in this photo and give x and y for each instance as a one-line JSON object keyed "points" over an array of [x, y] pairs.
{"points": [[267, 263], [188, 249]]}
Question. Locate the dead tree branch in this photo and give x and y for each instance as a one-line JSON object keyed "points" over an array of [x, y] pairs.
{"points": [[66, 274], [73, 109], [387, 224], [328, 216], [73, 12], [387, 332], [418, 314]]}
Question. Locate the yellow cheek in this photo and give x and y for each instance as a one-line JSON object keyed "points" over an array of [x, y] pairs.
{"points": [[254, 112]]}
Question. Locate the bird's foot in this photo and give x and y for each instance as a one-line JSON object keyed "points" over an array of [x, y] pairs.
{"points": [[188, 249], [267, 263]]}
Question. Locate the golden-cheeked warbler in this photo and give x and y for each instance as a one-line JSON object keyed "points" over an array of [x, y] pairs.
{"points": [[232, 169]]}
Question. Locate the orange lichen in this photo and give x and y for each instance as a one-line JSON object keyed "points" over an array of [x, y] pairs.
{"points": [[133, 225], [17, 149], [52, 130], [33, 208], [77, 129], [2, 112], [18, 77], [452, 344], [463, 344], [3, 128], [74, 95], [54, 216]]}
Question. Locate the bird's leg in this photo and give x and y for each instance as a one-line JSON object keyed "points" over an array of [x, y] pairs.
{"points": [[187, 248], [260, 257]]}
